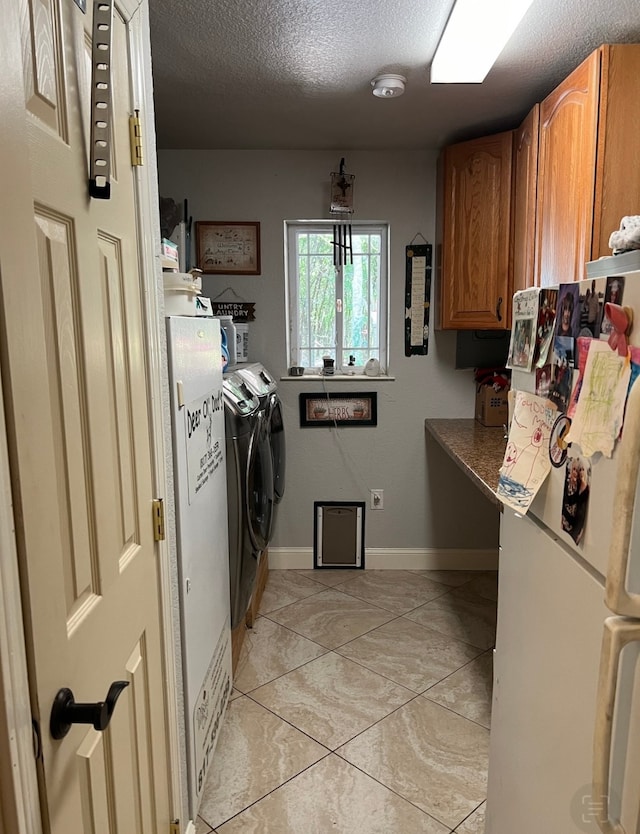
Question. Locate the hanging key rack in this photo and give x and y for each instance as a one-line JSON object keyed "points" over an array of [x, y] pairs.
{"points": [[100, 151]]}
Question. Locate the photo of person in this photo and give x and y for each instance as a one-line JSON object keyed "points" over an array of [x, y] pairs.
{"points": [[591, 309], [562, 373], [575, 498], [612, 294], [568, 312], [522, 344], [543, 381], [523, 332], [546, 320]]}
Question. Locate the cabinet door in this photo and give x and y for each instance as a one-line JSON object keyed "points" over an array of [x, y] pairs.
{"points": [[618, 171], [475, 275], [566, 175], [525, 164]]}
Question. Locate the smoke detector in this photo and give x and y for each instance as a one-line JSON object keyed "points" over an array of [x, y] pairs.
{"points": [[388, 86]]}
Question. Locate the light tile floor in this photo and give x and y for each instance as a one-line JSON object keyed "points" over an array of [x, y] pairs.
{"points": [[362, 705]]}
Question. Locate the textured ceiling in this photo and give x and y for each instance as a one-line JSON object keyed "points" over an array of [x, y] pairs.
{"points": [[295, 74]]}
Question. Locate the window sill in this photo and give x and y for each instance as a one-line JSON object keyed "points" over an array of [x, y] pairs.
{"points": [[311, 376]]}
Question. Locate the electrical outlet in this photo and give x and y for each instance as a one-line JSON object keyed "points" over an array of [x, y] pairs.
{"points": [[377, 499]]}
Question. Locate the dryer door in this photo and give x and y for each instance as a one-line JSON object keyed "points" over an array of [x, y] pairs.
{"points": [[277, 447], [259, 497]]}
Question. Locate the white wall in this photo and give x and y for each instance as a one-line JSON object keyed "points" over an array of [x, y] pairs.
{"points": [[428, 503]]}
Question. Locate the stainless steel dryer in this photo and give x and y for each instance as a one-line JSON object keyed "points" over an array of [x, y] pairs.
{"points": [[263, 384], [250, 495]]}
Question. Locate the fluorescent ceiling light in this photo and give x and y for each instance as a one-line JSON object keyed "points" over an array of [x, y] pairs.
{"points": [[475, 34]]}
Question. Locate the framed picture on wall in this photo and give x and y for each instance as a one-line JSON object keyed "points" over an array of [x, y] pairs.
{"points": [[228, 248], [324, 410]]}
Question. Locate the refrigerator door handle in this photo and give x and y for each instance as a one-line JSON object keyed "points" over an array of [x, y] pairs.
{"points": [[617, 597], [618, 632]]}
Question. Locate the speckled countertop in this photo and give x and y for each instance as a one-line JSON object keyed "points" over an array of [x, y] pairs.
{"points": [[478, 450]]}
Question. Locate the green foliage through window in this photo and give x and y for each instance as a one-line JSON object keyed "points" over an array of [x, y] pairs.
{"points": [[336, 311]]}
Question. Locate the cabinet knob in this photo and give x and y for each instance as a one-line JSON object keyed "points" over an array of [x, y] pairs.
{"points": [[498, 313]]}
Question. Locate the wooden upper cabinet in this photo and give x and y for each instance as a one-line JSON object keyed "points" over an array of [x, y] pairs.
{"points": [[588, 167], [568, 140], [475, 281], [525, 164], [532, 206]]}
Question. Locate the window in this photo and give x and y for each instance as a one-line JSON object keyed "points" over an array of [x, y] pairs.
{"points": [[337, 311]]}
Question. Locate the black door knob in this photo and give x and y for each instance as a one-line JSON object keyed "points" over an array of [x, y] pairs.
{"points": [[65, 711]]}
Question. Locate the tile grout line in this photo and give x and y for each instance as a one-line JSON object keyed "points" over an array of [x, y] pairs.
{"points": [[482, 600], [395, 792], [294, 669], [335, 651], [342, 743], [319, 645], [462, 822], [273, 790], [394, 616], [449, 709], [481, 652]]}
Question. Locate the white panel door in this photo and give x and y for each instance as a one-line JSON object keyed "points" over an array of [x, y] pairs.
{"points": [[78, 426]]}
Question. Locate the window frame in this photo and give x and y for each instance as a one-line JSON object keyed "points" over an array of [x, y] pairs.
{"points": [[291, 228]]}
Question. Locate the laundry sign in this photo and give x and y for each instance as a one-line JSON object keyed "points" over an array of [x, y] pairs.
{"points": [[240, 310], [205, 452]]}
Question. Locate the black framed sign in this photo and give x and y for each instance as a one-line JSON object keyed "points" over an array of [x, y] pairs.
{"points": [[323, 410], [417, 299]]}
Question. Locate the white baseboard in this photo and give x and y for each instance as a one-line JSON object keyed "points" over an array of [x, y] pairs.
{"points": [[290, 558], [191, 828], [391, 558]]}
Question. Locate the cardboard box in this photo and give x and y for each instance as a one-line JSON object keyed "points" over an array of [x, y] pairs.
{"points": [[491, 406]]}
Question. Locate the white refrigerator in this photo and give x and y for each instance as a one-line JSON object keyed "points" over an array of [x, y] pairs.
{"points": [[565, 731], [197, 416]]}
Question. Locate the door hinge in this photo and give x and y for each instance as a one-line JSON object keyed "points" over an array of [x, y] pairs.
{"points": [[158, 520], [174, 827], [135, 137]]}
